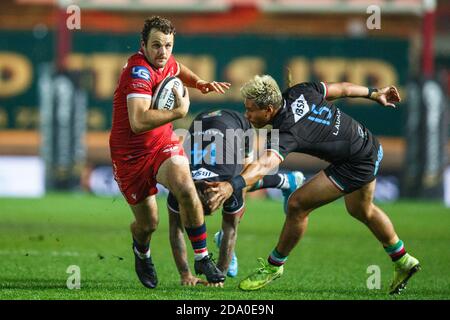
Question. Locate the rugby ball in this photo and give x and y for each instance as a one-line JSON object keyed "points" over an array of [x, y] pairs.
{"points": [[163, 98]]}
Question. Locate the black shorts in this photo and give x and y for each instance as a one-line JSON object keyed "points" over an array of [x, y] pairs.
{"points": [[354, 174], [232, 205]]}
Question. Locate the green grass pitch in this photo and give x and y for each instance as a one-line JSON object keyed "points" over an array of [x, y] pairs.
{"points": [[40, 238]]}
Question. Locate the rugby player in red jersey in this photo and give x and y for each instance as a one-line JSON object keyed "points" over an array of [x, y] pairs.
{"points": [[145, 151]]}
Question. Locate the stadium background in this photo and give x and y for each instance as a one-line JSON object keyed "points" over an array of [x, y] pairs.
{"points": [[227, 40]]}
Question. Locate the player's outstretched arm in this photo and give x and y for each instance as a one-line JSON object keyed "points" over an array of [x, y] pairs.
{"points": [[192, 80], [178, 246], [221, 191], [143, 118], [386, 96], [230, 223]]}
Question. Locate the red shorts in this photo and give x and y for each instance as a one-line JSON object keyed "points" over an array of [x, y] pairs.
{"points": [[137, 177]]}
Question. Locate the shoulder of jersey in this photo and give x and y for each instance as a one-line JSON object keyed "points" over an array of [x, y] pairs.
{"points": [[233, 113], [240, 117], [295, 87], [139, 68]]}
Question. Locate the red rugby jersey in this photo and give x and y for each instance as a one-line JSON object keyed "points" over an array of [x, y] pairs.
{"points": [[138, 79]]}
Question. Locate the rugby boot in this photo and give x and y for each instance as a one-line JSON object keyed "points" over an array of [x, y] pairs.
{"points": [[261, 276], [404, 269], [207, 267], [145, 270]]}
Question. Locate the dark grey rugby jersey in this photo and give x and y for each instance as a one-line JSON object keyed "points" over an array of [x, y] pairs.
{"points": [[217, 144], [308, 123]]}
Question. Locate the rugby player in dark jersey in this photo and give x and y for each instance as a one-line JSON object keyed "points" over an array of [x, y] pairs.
{"points": [[220, 145], [308, 122]]}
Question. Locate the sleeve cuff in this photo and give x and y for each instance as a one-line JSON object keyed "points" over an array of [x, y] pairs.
{"points": [[139, 95], [325, 89], [277, 153]]}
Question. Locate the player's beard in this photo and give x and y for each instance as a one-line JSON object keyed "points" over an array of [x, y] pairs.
{"points": [[162, 62]]}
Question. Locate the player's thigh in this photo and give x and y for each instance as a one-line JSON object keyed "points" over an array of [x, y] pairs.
{"points": [[315, 193], [146, 212], [360, 201], [174, 173]]}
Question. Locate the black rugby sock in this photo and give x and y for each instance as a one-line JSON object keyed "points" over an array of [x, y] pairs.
{"points": [[272, 181]]}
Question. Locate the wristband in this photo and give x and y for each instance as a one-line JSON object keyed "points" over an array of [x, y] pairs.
{"points": [[238, 183], [372, 90]]}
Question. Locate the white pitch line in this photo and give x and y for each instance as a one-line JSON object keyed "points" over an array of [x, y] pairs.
{"points": [[44, 253]]}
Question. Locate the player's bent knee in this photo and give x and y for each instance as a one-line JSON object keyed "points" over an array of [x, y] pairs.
{"points": [[151, 227], [362, 213], [297, 209], [146, 228]]}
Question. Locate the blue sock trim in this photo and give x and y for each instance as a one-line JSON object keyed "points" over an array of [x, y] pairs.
{"points": [[275, 255]]}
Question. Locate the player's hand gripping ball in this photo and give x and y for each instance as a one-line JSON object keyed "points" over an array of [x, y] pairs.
{"points": [[164, 99]]}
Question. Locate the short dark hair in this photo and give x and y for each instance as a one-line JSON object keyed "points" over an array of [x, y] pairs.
{"points": [[162, 24]]}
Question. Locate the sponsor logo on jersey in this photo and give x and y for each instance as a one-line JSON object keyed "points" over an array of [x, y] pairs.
{"points": [[299, 108], [170, 149], [140, 72], [361, 132], [337, 124], [140, 85], [203, 173], [208, 132], [212, 114]]}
